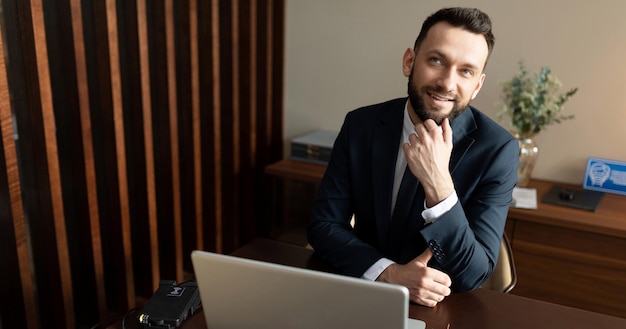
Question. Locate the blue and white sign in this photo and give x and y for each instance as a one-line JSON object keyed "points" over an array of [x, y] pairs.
{"points": [[605, 175]]}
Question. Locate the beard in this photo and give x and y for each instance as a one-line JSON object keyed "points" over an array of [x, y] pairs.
{"points": [[416, 97]]}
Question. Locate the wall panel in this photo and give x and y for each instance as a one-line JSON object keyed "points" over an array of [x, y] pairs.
{"points": [[132, 133]]}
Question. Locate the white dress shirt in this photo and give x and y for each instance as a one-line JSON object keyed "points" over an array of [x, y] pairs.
{"points": [[430, 214]]}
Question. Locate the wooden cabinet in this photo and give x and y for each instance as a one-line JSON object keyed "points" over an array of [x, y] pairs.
{"points": [[293, 188], [562, 255], [569, 256]]}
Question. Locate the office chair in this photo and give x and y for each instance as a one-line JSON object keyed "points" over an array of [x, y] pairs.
{"points": [[504, 276]]}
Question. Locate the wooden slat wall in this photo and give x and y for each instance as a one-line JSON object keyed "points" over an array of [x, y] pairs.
{"points": [[133, 132]]}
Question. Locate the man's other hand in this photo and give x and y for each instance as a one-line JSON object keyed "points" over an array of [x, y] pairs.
{"points": [[427, 286]]}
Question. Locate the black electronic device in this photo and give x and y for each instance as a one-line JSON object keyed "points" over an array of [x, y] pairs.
{"points": [[581, 199], [170, 305]]}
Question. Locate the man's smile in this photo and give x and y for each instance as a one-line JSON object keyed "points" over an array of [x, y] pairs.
{"points": [[439, 98]]}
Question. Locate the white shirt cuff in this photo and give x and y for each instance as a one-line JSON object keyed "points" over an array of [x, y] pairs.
{"points": [[432, 214], [375, 270]]}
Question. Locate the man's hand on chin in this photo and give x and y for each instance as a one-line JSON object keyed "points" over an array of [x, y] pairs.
{"points": [[427, 286]]}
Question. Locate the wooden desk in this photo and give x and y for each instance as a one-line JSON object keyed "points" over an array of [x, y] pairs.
{"points": [[562, 255], [481, 308], [569, 256], [477, 309], [298, 170]]}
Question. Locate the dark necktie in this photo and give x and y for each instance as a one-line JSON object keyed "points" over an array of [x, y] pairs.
{"points": [[396, 238]]}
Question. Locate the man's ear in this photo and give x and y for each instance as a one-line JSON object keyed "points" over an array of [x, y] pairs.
{"points": [[479, 86], [407, 62]]}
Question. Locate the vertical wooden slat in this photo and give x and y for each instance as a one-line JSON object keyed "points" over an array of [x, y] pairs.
{"points": [[90, 174], [116, 94], [206, 52], [217, 131], [144, 63], [15, 197], [246, 177], [236, 117], [195, 109], [186, 145], [54, 175], [173, 118], [261, 93], [269, 68], [277, 43], [227, 157], [253, 82]]}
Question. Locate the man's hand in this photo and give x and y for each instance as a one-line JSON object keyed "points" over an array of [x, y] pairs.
{"points": [[427, 286], [428, 157]]}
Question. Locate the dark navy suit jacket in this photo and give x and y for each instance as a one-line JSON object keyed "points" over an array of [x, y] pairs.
{"points": [[359, 180]]}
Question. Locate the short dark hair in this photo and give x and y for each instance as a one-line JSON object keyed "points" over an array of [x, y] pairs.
{"points": [[469, 19]]}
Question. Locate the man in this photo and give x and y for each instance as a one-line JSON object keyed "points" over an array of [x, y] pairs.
{"points": [[462, 168]]}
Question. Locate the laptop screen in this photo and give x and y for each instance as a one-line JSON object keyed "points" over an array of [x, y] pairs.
{"points": [[244, 293]]}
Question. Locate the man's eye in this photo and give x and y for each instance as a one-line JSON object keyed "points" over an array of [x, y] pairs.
{"points": [[468, 73], [435, 60]]}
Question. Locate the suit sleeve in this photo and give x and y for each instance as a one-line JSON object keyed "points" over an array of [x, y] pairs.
{"points": [[466, 240], [329, 231]]}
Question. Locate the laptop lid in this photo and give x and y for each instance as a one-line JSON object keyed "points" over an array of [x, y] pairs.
{"points": [[243, 293]]}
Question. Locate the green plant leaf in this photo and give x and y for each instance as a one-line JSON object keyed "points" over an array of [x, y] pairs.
{"points": [[533, 102]]}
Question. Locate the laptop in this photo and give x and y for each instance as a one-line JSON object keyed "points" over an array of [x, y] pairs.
{"points": [[242, 293]]}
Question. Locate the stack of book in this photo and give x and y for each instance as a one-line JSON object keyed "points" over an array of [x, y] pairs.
{"points": [[314, 147]]}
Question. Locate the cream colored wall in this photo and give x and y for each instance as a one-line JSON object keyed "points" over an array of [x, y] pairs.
{"points": [[344, 54]]}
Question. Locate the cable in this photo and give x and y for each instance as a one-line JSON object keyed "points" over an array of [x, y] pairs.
{"points": [[115, 318], [126, 315]]}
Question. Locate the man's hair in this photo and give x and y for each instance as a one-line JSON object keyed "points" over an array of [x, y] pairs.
{"points": [[469, 19]]}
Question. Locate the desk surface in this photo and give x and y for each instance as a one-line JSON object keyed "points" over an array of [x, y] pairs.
{"points": [[480, 308]]}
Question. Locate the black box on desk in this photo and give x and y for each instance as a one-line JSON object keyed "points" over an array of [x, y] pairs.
{"points": [[314, 147]]}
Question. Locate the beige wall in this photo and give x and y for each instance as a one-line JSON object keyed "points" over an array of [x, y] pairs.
{"points": [[344, 54]]}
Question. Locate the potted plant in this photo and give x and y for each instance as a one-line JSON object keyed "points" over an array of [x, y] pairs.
{"points": [[532, 102]]}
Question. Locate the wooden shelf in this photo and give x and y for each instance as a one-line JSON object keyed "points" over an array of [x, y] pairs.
{"points": [[298, 170], [608, 219]]}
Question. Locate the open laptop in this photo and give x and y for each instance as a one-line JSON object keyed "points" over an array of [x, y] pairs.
{"points": [[242, 293]]}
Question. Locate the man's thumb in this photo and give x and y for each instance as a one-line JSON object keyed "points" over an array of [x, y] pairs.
{"points": [[424, 257]]}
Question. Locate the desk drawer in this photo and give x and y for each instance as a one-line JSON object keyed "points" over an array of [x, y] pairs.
{"points": [[568, 267]]}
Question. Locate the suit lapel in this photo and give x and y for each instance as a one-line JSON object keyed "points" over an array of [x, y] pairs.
{"points": [[462, 126], [384, 154]]}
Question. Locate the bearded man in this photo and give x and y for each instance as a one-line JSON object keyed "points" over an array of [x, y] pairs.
{"points": [[428, 178]]}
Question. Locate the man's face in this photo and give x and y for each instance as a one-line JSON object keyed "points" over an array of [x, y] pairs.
{"points": [[445, 73]]}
